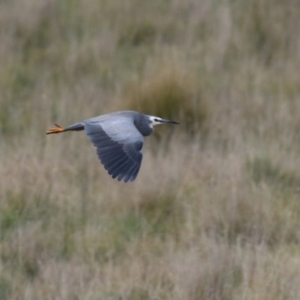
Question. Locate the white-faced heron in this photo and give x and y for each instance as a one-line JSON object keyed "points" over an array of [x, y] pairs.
{"points": [[119, 138]]}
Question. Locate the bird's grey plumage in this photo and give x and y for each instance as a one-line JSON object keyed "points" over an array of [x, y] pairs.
{"points": [[119, 144], [119, 139]]}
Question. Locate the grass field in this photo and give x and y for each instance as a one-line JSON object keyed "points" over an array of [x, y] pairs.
{"points": [[215, 211]]}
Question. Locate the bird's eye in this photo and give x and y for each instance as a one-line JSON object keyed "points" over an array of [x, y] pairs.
{"points": [[156, 120]]}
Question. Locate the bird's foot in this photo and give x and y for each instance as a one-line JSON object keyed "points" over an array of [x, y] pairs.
{"points": [[56, 129]]}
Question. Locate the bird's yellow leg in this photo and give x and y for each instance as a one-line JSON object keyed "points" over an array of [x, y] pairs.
{"points": [[56, 129]]}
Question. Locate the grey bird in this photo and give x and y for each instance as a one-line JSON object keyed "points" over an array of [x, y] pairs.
{"points": [[119, 139]]}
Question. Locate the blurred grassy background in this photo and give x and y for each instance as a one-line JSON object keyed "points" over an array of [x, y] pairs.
{"points": [[215, 211]]}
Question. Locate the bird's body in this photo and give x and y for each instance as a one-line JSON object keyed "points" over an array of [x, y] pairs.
{"points": [[119, 139]]}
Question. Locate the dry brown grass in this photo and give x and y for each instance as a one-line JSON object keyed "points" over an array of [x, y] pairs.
{"points": [[213, 215]]}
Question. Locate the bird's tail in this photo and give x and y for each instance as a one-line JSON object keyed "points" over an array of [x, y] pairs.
{"points": [[56, 129]]}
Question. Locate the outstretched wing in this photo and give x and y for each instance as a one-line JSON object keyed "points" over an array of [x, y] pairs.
{"points": [[119, 146]]}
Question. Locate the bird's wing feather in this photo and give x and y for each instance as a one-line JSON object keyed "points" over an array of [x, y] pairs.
{"points": [[119, 146]]}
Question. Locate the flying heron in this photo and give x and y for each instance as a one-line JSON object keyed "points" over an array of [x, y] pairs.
{"points": [[119, 138]]}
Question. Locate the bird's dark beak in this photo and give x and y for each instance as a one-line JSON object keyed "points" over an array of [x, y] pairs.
{"points": [[169, 122]]}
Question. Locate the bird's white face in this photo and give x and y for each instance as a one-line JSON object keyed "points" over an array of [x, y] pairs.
{"points": [[156, 121]]}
